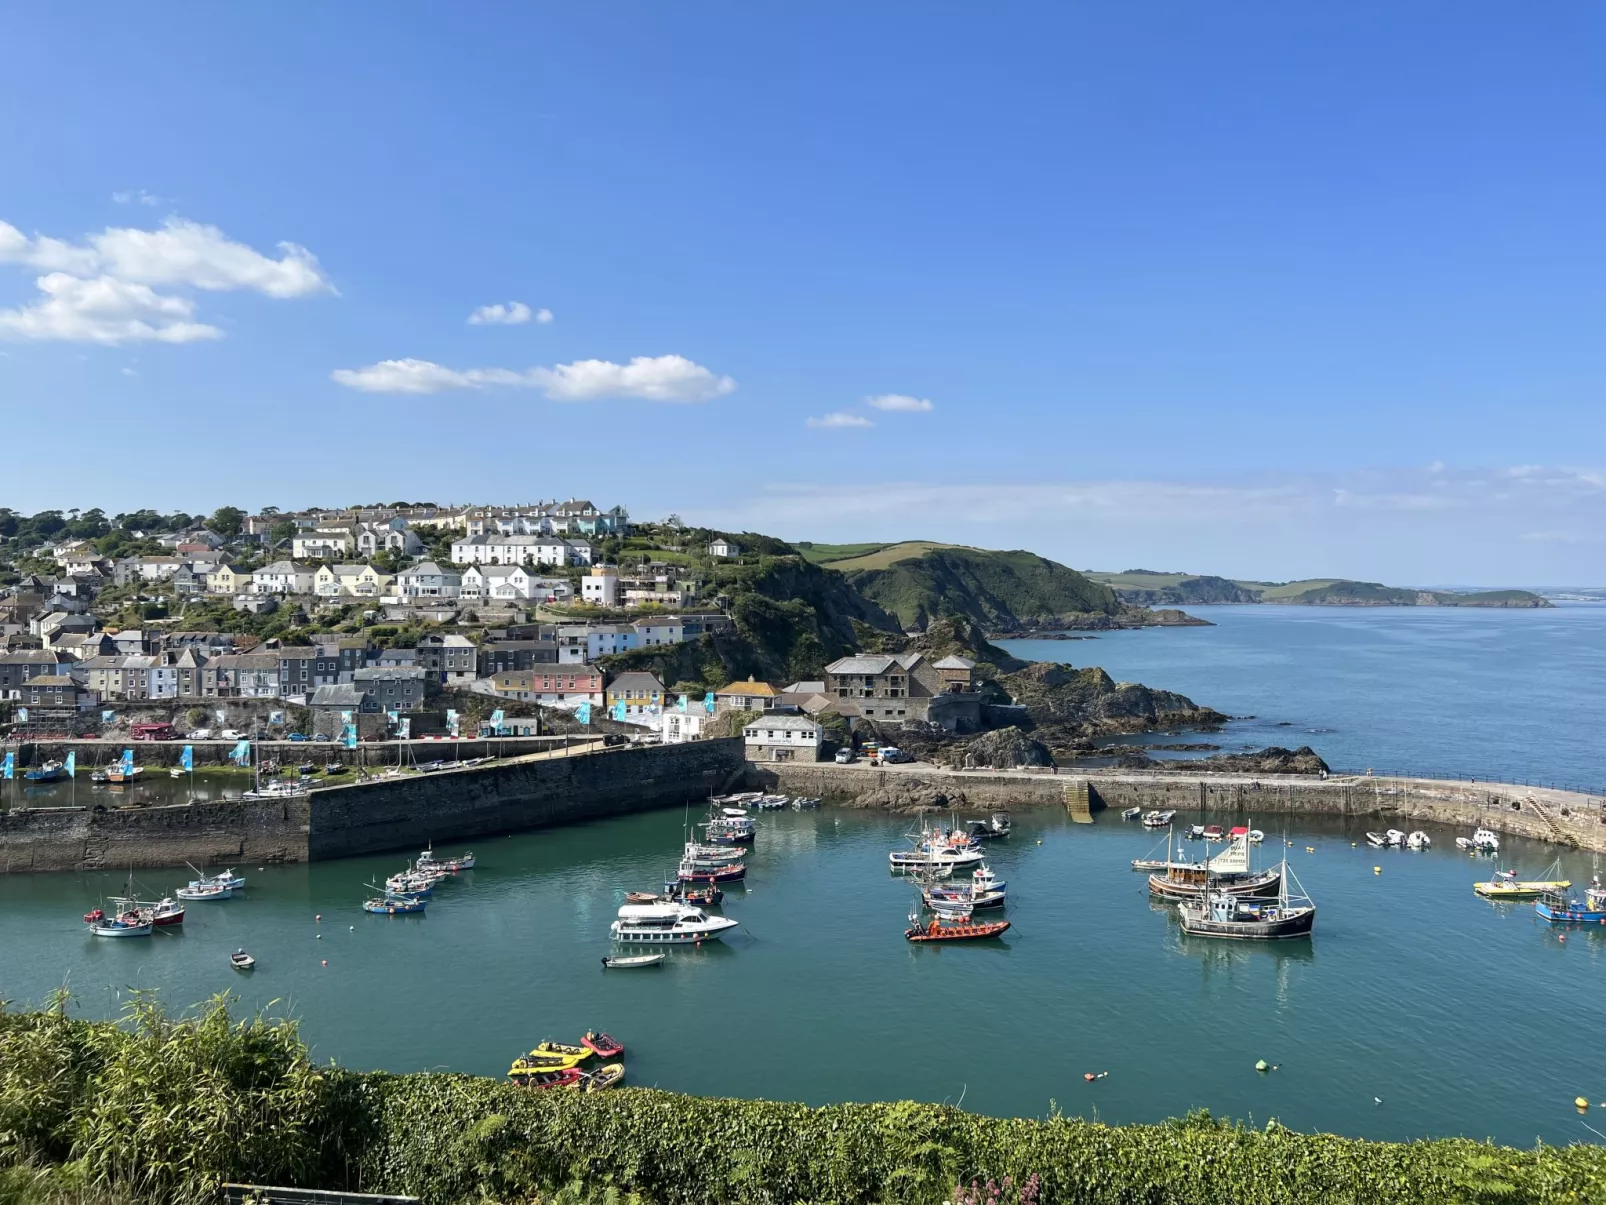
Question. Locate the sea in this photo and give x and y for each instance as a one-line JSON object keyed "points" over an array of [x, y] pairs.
{"points": [[1415, 1009]]}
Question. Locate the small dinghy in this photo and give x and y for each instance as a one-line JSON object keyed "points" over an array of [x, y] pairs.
{"points": [[604, 1046], [1376, 840], [1131, 813], [632, 961], [604, 1077], [1418, 840], [1158, 819], [241, 961]]}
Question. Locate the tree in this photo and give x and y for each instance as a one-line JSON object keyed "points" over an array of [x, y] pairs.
{"points": [[228, 521]]}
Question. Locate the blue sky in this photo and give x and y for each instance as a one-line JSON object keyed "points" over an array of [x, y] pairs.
{"points": [[1263, 289]]}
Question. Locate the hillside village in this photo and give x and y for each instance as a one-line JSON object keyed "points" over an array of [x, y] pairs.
{"points": [[548, 616]]}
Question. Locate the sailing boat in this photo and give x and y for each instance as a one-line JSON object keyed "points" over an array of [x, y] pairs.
{"points": [[1220, 914], [1227, 873]]}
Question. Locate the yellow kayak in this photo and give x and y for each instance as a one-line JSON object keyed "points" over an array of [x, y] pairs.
{"points": [[1520, 889]]}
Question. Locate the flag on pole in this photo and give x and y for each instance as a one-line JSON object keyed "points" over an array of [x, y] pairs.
{"points": [[583, 714], [708, 702], [619, 711], [186, 760], [22, 715], [9, 768], [71, 765], [351, 739], [684, 703], [106, 717], [127, 764], [241, 755]]}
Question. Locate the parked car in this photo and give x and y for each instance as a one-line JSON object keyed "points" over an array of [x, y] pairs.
{"points": [[231, 734], [200, 734], [894, 755], [296, 736], [844, 756]]}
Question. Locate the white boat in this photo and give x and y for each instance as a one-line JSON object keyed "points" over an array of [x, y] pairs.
{"points": [[205, 889], [1158, 819], [1256, 836], [771, 803], [444, 865], [803, 803], [1483, 841], [1418, 840], [935, 859], [131, 924], [713, 855], [668, 924], [1131, 813], [278, 788], [632, 961], [241, 961], [1392, 839]]}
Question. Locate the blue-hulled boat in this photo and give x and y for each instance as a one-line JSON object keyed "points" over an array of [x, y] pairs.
{"points": [[395, 904], [51, 771], [1558, 909]]}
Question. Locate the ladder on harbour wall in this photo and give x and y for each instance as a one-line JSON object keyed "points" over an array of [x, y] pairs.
{"points": [[1078, 802], [1557, 832]]}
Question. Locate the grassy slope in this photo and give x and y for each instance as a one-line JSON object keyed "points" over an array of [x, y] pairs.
{"points": [[889, 555], [995, 589], [1314, 590], [824, 554]]}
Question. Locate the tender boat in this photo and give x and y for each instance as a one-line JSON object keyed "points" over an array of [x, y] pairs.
{"points": [[1195, 832], [604, 1046], [241, 961], [1158, 819], [939, 930], [632, 962], [805, 803], [667, 924], [1376, 840], [449, 865], [1483, 841], [1220, 914], [1558, 909], [1506, 886], [1131, 813], [1227, 873], [161, 913], [607, 1076], [129, 924], [50, 771], [1418, 840], [568, 1077]]}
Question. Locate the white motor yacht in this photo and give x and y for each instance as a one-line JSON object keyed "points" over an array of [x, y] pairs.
{"points": [[668, 924]]}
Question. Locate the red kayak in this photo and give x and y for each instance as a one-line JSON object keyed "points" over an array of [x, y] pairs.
{"points": [[604, 1046]]}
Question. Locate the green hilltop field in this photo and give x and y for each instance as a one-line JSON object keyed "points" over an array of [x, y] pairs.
{"points": [[1146, 587]]}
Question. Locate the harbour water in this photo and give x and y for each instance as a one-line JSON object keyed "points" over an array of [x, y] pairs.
{"points": [[1435, 691], [1459, 1016]]}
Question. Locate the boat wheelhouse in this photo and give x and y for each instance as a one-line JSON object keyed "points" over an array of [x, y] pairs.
{"points": [[1227, 873], [1222, 914], [1557, 908], [668, 924]]}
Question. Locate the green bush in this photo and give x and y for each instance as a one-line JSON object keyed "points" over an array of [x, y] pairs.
{"points": [[161, 1110]]}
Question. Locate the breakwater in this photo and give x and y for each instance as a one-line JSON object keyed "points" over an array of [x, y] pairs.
{"points": [[553, 786], [93, 753], [1545, 814]]}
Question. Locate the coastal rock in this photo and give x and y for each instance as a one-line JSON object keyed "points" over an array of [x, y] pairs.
{"points": [[1002, 749], [1271, 760], [1092, 702]]}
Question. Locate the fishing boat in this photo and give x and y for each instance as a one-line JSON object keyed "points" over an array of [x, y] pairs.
{"points": [[1195, 832], [1557, 908], [1131, 813], [1220, 914], [607, 1076], [730, 826], [394, 904], [1482, 841], [1158, 819], [710, 856], [939, 930], [129, 924], [201, 890], [449, 865], [984, 890], [50, 771], [711, 874], [603, 1045], [667, 924], [1213, 832], [947, 858], [1228, 873], [632, 962], [1418, 840], [241, 961], [770, 803], [1505, 885], [278, 788], [950, 910], [569, 1077], [119, 774], [163, 912], [805, 803]]}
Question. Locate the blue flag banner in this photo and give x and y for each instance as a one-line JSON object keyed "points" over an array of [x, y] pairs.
{"points": [[684, 703], [351, 740], [708, 703], [186, 760], [22, 715], [345, 717], [71, 765], [241, 756], [619, 711], [583, 713], [107, 717], [127, 764], [9, 768], [497, 716]]}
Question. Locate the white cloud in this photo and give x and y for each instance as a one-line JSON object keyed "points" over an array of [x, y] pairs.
{"points": [[99, 291], [543, 316], [900, 402], [104, 310], [651, 378], [130, 372], [839, 420], [137, 196], [514, 313]]}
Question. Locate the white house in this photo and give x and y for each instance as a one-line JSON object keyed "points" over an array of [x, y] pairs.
{"points": [[782, 738], [600, 587], [665, 629], [395, 535], [283, 577], [723, 547], [498, 582], [498, 549], [604, 639], [681, 726], [429, 580], [323, 545]]}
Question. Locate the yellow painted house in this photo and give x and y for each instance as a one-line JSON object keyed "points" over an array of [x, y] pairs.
{"points": [[352, 581], [226, 580]]}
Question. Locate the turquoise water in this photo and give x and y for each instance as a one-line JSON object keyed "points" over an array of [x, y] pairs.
{"points": [[1463, 1016], [1441, 691]]}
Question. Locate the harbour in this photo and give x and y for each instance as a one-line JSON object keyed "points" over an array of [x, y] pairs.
{"points": [[1097, 977]]}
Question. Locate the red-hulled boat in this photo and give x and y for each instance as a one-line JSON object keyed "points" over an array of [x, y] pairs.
{"points": [[965, 931], [569, 1077], [604, 1046], [723, 874]]}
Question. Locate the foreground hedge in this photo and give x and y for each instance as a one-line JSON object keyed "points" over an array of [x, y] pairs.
{"points": [[165, 1110]]}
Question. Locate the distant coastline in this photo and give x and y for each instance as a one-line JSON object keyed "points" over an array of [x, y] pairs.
{"points": [[1153, 588]]}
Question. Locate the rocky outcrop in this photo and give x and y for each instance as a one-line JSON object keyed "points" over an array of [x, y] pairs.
{"points": [[1092, 702], [1001, 749], [1271, 760]]}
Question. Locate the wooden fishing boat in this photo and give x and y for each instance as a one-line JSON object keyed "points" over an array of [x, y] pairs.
{"points": [[721, 874], [241, 961], [938, 930], [603, 1045], [447, 865], [1228, 873], [632, 962], [1218, 914], [392, 904], [129, 924], [607, 1076]]}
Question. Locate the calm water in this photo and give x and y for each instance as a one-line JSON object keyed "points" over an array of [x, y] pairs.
{"points": [[1435, 690], [1464, 1017]]}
